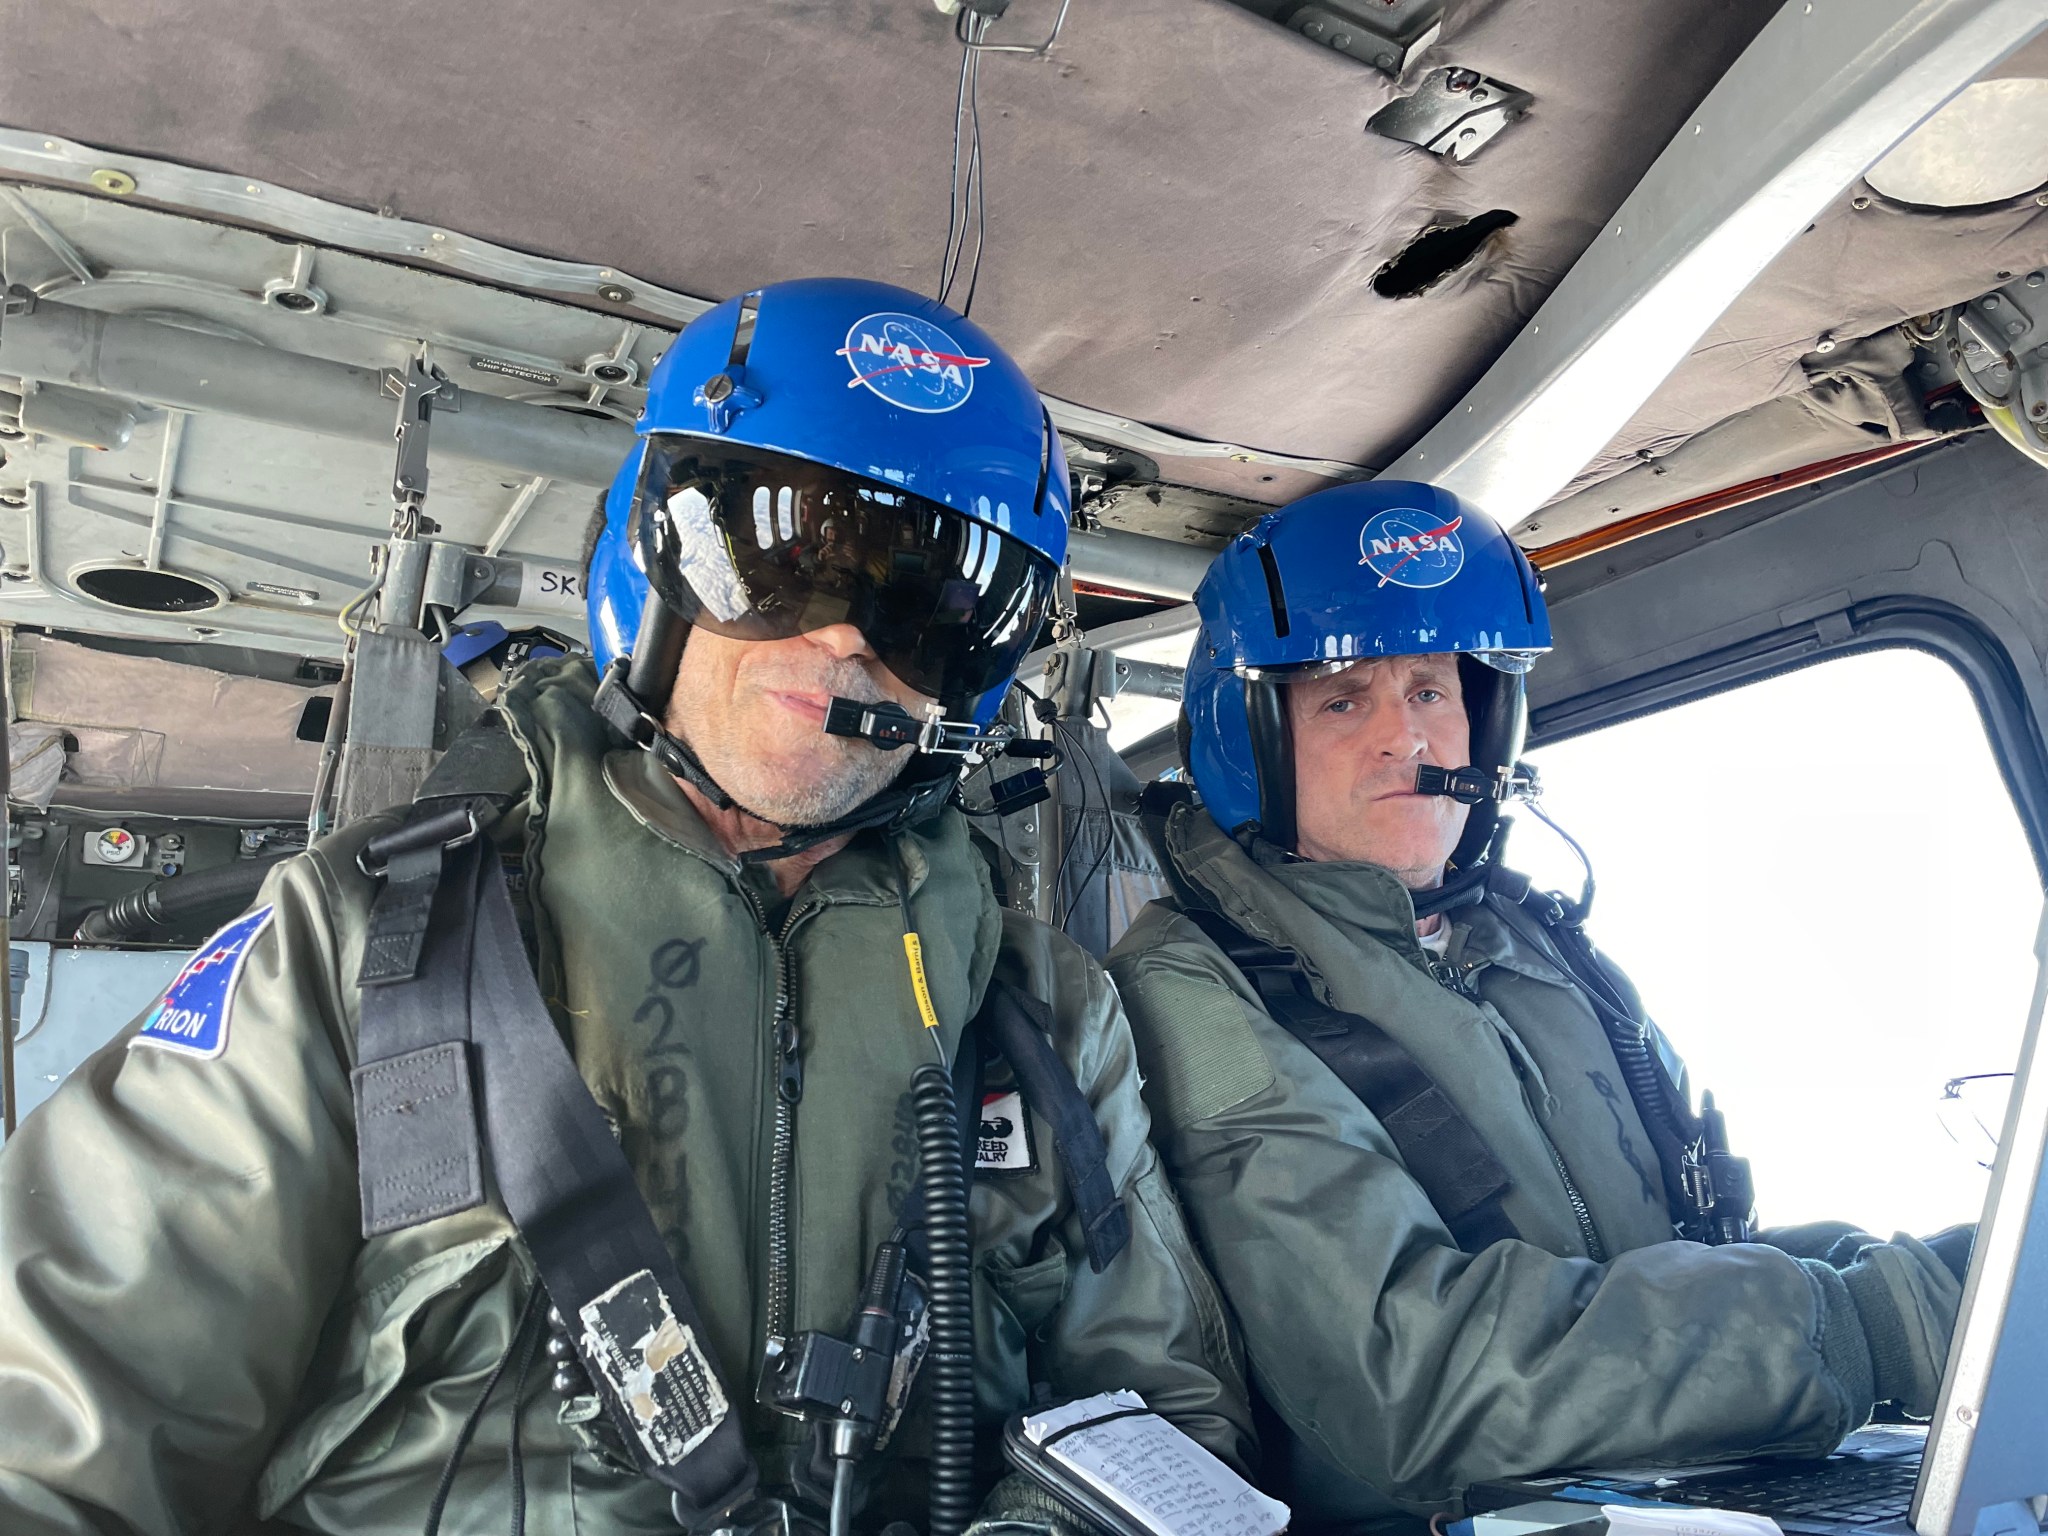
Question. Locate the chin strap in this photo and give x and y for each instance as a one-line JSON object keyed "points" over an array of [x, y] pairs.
{"points": [[892, 808]]}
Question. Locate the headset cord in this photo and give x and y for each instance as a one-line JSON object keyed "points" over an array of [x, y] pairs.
{"points": [[467, 1432]]}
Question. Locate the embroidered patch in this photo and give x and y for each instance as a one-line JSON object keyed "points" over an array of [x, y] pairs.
{"points": [[655, 1367], [192, 1019], [910, 362], [1004, 1145], [1410, 548]]}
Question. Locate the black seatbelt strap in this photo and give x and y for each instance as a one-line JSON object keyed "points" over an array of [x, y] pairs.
{"points": [[468, 1026], [1019, 1025], [1448, 1158], [568, 1186]]}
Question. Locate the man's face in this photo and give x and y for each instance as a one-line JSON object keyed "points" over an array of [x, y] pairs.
{"points": [[1359, 736], [754, 713]]}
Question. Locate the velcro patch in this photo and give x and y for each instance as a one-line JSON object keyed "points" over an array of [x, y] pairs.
{"points": [[654, 1366], [1004, 1142], [192, 1018]]}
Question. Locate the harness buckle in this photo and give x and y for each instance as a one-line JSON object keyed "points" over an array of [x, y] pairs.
{"points": [[446, 830]]}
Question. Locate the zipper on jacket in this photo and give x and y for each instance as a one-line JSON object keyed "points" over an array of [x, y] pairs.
{"points": [[1595, 1249], [1588, 1233], [789, 1090]]}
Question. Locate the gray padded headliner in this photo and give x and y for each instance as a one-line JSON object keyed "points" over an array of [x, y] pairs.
{"points": [[1185, 210]]}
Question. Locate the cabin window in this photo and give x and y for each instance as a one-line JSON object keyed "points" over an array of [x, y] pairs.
{"points": [[1820, 887]]}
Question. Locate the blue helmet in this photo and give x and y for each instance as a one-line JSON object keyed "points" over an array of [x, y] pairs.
{"points": [[1381, 568], [837, 451]]}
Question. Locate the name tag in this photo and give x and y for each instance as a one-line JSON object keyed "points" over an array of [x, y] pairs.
{"points": [[1004, 1145]]}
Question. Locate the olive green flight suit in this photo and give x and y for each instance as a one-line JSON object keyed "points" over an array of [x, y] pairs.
{"points": [[1413, 1367], [194, 1337]]}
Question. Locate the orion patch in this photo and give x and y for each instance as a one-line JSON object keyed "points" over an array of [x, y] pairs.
{"points": [[910, 362], [1003, 1144], [1411, 548], [192, 1019]]}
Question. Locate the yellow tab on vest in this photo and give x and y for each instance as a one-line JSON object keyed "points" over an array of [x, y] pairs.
{"points": [[918, 984]]}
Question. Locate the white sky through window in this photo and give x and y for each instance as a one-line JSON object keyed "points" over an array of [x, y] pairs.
{"points": [[1820, 886]]}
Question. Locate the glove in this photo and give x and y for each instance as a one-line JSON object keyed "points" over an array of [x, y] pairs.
{"points": [[1017, 1506], [1906, 1298], [1952, 1246], [1816, 1240]]}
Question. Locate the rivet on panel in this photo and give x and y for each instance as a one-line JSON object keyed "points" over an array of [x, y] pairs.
{"points": [[107, 179]]}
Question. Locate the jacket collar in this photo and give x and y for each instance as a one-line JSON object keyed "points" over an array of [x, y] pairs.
{"points": [[863, 873], [1264, 894]]}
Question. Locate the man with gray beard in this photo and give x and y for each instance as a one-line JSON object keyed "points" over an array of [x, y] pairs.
{"points": [[226, 1305]]}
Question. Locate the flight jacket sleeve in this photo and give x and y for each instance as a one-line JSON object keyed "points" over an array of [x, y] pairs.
{"points": [[1153, 1320], [1408, 1363], [174, 1227]]}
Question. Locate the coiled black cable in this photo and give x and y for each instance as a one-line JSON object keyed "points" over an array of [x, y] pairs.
{"points": [[950, 1260]]}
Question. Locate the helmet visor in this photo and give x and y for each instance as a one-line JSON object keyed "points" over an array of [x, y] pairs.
{"points": [[755, 545]]}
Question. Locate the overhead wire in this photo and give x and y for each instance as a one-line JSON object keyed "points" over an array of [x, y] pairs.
{"points": [[967, 204]]}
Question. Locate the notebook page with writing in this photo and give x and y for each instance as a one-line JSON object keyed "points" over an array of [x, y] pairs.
{"points": [[1142, 1465]]}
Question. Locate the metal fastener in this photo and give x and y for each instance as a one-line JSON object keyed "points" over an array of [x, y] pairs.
{"points": [[14, 496], [1341, 40], [2036, 279], [1826, 343], [1991, 301], [612, 373], [717, 387], [612, 293], [2040, 409], [107, 179], [1859, 203], [2016, 328]]}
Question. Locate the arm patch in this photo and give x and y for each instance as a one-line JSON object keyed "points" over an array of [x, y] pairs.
{"points": [[192, 1017]]}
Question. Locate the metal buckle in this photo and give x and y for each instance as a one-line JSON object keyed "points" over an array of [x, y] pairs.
{"points": [[406, 838]]}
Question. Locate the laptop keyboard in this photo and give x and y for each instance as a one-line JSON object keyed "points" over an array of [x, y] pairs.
{"points": [[1844, 1491]]}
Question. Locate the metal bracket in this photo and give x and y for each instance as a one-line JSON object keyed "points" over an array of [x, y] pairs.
{"points": [[420, 390], [1386, 34], [1078, 677], [2002, 338], [457, 577], [1455, 113]]}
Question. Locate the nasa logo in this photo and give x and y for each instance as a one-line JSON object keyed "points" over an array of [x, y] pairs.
{"points": [[910, 362], [192, 1019], [1411, 548]]}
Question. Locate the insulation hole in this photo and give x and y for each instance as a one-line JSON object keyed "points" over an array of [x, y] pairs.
{"points": [[1436, 253], [144, 591]]}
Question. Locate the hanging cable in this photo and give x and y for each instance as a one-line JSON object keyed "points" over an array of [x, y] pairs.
{"points": [[1585, 903], [977, 175]]}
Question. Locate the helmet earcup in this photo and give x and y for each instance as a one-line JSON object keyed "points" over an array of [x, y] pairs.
{"points": [[1496, 704], [1272, 738]]}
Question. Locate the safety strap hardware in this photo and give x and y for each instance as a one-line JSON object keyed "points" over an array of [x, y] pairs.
{"points": [[1447, 1157], [439, 831]]}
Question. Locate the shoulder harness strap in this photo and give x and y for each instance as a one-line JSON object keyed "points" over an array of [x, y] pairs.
{"points": [[1019, 1026], [1448, 1158], [447, 988]]}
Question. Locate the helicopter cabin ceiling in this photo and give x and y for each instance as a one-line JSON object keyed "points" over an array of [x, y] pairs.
{"points": [[1194, 237]]}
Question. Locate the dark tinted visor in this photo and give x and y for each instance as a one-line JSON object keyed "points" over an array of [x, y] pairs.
{"points": [[756, 545]]}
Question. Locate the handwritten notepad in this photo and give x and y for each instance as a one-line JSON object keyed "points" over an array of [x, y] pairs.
{"points": [[1140, 1464]]}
